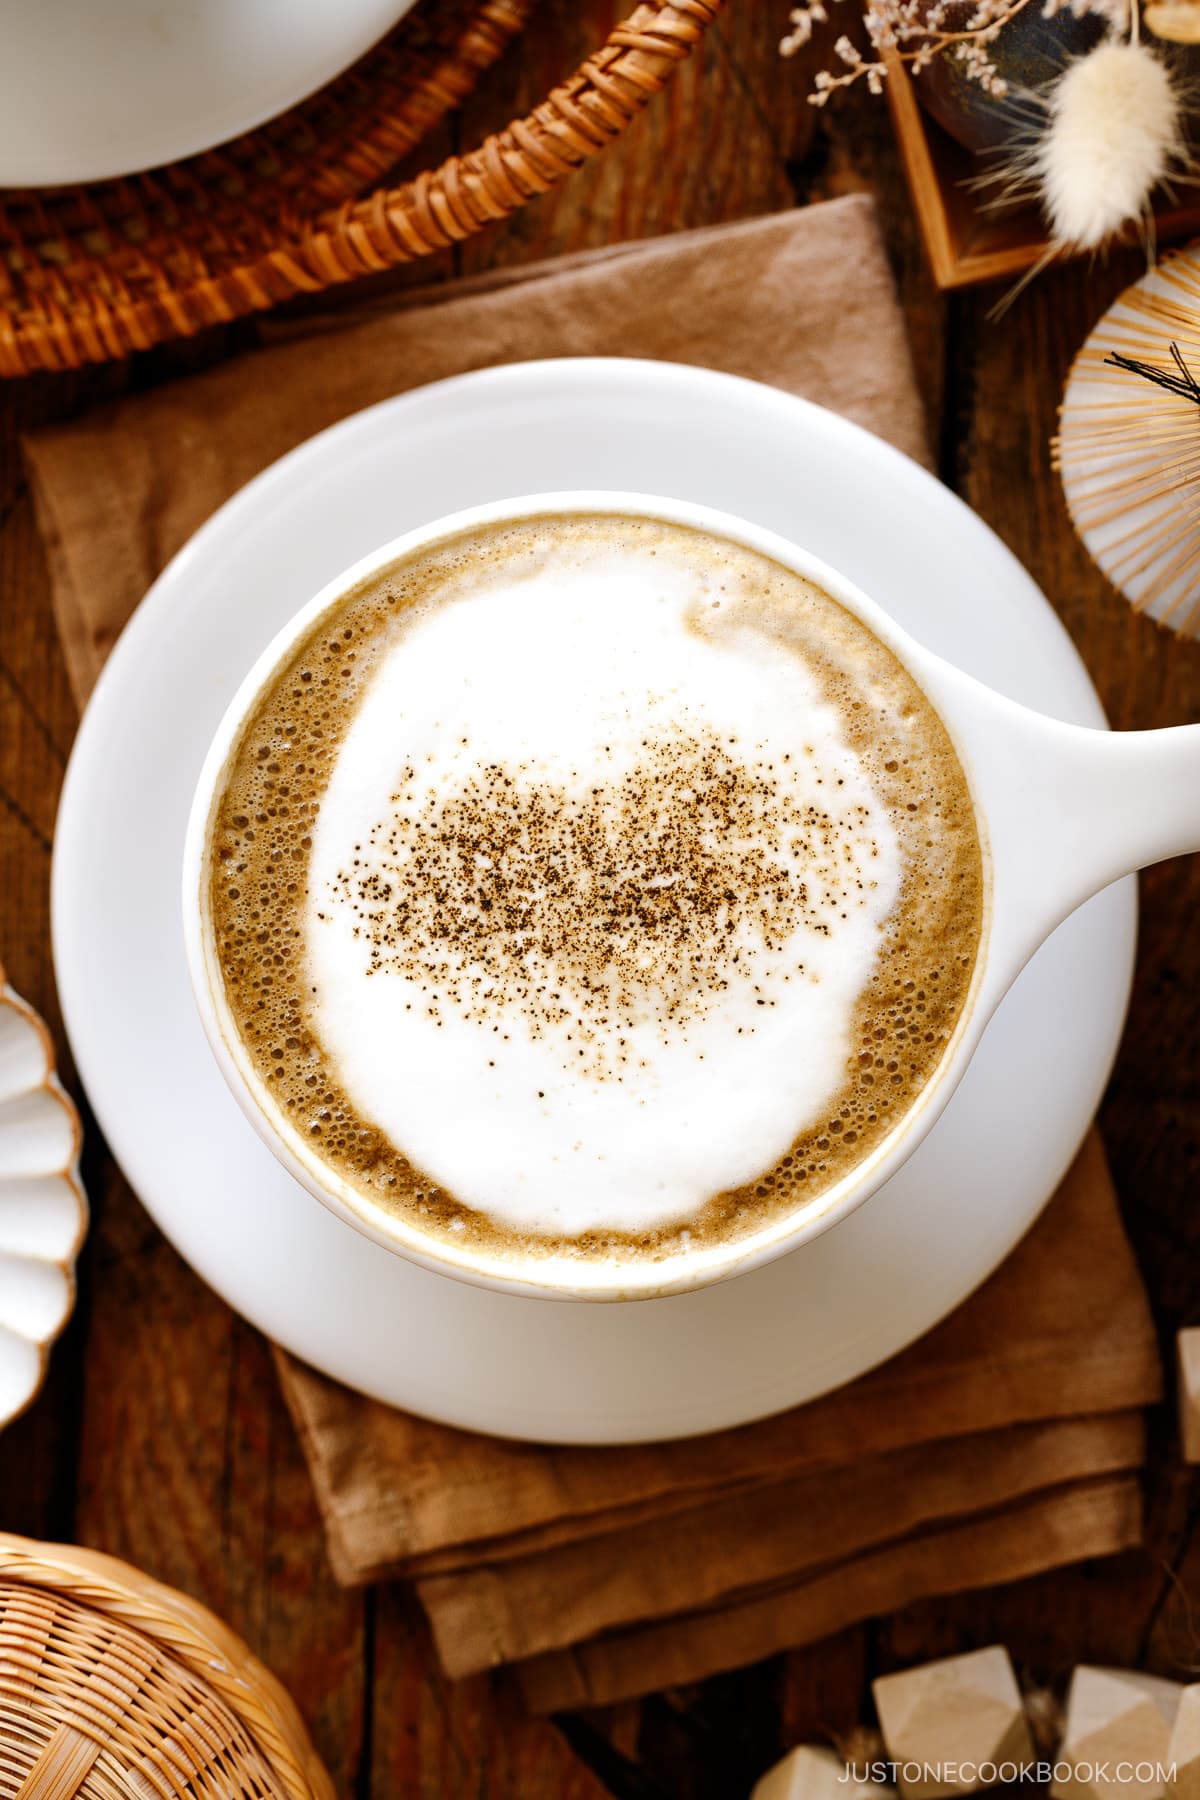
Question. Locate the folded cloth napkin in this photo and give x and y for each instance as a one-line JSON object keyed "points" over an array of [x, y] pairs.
{"points": [[1003, 1442], [803, 300], [1089, 1518], [1007, 1440], [1061, 1331]]}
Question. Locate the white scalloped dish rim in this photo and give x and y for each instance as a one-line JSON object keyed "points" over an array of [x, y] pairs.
{"points": [[43, 1207]]}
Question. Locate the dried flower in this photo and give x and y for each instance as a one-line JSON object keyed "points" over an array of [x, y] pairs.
{"points": [[1113, 134], [1110, 129], [914, 32], [802, 19]]}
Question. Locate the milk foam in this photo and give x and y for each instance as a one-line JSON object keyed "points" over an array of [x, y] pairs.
{"points": [[530, 966]]}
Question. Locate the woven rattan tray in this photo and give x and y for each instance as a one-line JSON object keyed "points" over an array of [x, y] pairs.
{"points": [[113, 1687], [87, 274]]}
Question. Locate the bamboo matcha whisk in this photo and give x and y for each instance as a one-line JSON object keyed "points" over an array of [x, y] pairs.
{"points": [[1128, 446]]}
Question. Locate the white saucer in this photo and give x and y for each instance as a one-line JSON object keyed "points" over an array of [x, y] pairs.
{"points": [[561, 1371], [90, 90]]}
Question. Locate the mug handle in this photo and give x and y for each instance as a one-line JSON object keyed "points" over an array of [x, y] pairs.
{"points": [[1067, 809]]}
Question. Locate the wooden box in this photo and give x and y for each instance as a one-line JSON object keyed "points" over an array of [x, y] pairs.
{"points": [[965, 243]]}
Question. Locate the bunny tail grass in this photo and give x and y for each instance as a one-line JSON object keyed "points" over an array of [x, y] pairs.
{"points": [[1113, 134]]}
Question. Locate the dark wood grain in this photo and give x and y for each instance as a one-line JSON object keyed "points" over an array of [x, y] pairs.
{"points": [[160, 1434], [188, 1467], [432, 1736]]}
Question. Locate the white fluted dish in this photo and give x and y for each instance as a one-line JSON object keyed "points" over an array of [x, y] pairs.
{"points": [[43, 1210]]}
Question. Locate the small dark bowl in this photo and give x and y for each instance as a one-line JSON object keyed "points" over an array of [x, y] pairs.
{"points": [[1029, 53]]}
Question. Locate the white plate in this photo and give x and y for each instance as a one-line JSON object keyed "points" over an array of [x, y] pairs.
{"points": [[560, 1371], [95, 88]]}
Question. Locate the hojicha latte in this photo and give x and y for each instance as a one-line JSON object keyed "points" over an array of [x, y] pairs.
{"points": [[589, 882]]}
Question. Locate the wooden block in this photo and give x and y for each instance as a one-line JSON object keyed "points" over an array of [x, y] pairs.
{"points": [[810, 1772], [946, 1723], [1184, 1752], [1187, 1361], [1116, 1717]]}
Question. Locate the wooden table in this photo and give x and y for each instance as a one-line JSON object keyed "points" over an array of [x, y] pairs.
{"points": [[161, 1435]]}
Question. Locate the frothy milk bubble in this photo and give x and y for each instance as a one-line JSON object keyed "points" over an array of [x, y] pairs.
{"points": [[595, 888]]}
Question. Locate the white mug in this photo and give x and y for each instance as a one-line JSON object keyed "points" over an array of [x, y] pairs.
{"points": [[1061, 810]]}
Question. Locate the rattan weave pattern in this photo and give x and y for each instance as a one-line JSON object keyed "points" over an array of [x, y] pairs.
{"points": [[113, 1687], [91, 274]]}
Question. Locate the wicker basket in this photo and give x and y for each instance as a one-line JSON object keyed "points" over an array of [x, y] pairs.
{"points": [[113, 1687], [90, 274]]}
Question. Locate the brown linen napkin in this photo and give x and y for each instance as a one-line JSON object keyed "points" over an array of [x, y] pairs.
{"points": [[1019, 1404], [1091, 1518], [1061, 1330], [755, 1538], [790, 1536], [119, 491]]}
